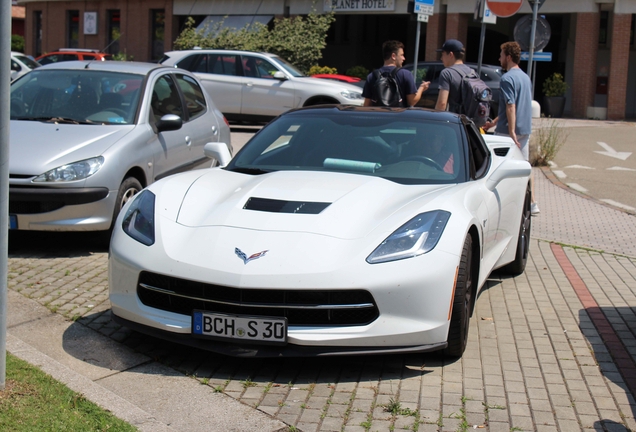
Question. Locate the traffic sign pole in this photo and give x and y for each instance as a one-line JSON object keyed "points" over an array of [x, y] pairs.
{"points": [[535, 10]]}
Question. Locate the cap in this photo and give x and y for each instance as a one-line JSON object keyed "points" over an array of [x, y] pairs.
{"points": [[452, 45]]}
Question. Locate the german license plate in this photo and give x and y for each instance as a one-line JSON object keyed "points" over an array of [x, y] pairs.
{"points": [[13, 222], [240, 327]]}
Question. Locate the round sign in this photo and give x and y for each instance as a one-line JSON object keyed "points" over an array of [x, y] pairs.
{"points": [[504, 8], [523, 29]]}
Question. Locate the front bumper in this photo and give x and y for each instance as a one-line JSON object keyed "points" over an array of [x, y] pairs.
{"points": [[62, 209], [413, 296]]}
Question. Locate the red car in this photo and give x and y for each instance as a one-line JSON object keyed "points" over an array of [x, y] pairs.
{"points": [[68, 54]]}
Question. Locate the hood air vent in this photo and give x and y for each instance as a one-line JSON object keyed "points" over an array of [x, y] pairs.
{"points": [[501, 151], [279, 206]]}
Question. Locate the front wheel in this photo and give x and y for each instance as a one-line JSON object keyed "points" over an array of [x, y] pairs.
{"points": [[462, 303]]}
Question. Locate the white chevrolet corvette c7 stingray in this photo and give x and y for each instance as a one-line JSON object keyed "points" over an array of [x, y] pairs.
{"points": [[335, 230]]}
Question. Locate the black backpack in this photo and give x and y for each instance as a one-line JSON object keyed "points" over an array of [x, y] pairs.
{"points": [[386, 89], [475, 98]]}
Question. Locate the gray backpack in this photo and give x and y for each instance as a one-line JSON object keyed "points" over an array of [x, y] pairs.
{"points": [[475, 98]]}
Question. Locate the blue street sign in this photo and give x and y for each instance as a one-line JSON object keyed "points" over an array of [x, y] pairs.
{"points": [[424, 7], [537, 56]]}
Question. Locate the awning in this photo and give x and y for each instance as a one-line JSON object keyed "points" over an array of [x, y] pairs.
{"points": [[235, 22]]}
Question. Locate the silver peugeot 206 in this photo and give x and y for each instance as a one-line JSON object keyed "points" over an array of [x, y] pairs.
{"points": [[87, 136]]}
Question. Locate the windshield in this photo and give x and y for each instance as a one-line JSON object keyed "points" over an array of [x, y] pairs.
{"points": [[287, 66], [401, 147], [32, 64], [76, 96]]}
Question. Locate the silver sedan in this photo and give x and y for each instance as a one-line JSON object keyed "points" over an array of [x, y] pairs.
{"points": [[87, 136]]}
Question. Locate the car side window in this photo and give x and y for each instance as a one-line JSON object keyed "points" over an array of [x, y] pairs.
{"points": [[189, 63], [165, 98], [479, 154], [222, 64], [15, 66], [258, 67], [193, 95]]}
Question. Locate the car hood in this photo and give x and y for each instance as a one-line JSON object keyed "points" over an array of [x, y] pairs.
{"points": [[325, 83], [353, 204], [37, 147]]}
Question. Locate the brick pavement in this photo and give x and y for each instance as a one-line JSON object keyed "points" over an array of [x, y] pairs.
{"points": [[536, 359]]}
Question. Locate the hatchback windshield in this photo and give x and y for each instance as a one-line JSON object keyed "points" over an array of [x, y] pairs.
{"points": [[76, 96], [401, 147]]}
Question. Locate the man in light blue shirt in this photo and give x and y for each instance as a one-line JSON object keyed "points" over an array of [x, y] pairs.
{"points": [[515, 105]]}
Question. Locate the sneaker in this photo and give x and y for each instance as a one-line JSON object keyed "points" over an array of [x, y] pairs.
{"points": [[534, 209]]}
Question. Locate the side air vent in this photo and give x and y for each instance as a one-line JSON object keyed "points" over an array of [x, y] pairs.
{"points": [[501, 151], [280, 206]]}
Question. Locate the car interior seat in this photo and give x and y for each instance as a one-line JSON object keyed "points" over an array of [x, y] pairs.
{"points": [[83, 101]]}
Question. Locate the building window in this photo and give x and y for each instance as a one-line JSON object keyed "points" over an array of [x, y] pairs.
{"points": [[114, 31], [158, 17], [603, 28], [37, 33], [72, 35]]}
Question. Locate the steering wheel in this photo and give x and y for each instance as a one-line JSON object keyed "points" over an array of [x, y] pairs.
{"points": [[425, 160]]}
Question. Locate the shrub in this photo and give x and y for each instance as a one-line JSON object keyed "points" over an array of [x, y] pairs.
{"points": [[546, 141], [358, 71], [315, 70], [122, 56], [17, 43], [554, 85], [299, 40]]}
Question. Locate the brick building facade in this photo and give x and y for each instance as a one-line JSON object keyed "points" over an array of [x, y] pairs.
{"points": [[592, 41]]}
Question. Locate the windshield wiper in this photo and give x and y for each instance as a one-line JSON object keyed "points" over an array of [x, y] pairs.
{"points": [[246, 170], [56, 120]]}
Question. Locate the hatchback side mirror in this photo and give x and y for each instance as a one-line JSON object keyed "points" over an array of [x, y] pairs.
{"points": [[169, 122]]}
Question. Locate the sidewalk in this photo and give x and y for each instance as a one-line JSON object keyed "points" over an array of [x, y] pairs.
{"points": [[553, 349]]}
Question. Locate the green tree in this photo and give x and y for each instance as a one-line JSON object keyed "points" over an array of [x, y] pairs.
{"points": [[299, 40], [17, 43]]}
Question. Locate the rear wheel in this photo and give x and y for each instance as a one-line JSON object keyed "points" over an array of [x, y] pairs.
{"points": [[518, 266], [462, 303]]}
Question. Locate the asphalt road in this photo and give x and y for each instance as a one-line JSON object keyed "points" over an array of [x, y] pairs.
{"points": [[599, 160]]}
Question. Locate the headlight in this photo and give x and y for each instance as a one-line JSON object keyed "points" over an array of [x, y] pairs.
{"points": [[75, 171], [351, 95], [139, 222], [416, 237]]}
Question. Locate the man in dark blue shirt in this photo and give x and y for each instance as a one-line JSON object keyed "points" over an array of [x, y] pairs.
{"points": [[393, 53]]}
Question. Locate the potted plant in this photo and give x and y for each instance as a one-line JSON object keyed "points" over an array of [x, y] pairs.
{"points": [[554, 88]]}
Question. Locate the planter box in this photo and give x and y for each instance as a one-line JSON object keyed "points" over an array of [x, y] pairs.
{"points": [[597, 113], [553, 106]]}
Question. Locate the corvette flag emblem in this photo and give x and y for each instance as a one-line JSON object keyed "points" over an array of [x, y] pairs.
{"points": [[247, 259]]}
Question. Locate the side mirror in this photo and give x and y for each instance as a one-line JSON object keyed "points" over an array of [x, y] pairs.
{"points": [[218, 151], [15, 67], [280, 76], [508, 169], [169, 122]]}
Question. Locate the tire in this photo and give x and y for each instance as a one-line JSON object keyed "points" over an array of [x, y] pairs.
{"points": [[128, 188], [462, 303], [518, 266]]}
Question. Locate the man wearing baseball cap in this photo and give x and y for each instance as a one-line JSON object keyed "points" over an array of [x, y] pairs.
{"points": [[450, 79]]}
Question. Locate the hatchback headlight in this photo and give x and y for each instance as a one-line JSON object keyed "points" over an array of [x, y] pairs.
{"points": [[139, 222], [74, 171], [416, 237], [351, 95]]}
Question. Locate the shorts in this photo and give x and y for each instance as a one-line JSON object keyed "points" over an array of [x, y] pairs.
{"points": [[523, 140]]}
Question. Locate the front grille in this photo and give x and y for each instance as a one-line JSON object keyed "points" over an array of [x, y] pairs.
{"points": [[300, 307], [33, 207]]}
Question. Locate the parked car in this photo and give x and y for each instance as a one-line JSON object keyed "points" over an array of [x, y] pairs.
{"points": [[334, 230], [430, 71], [21, 64], [258, 86], [87, 136], [69, 54]]}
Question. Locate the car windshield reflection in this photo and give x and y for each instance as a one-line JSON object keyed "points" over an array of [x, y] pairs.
{"points": [[404, 149], [76, 96]]}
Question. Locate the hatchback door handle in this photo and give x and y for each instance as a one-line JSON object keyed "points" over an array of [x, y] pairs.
{"points": [[214, 131], [188, 140]]}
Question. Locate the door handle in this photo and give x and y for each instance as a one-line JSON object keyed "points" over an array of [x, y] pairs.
{"points": [[188, 141], [214, 131], [249, 84]]}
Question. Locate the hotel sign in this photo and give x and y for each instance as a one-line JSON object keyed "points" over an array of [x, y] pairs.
{"points": [[359, 5]]}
